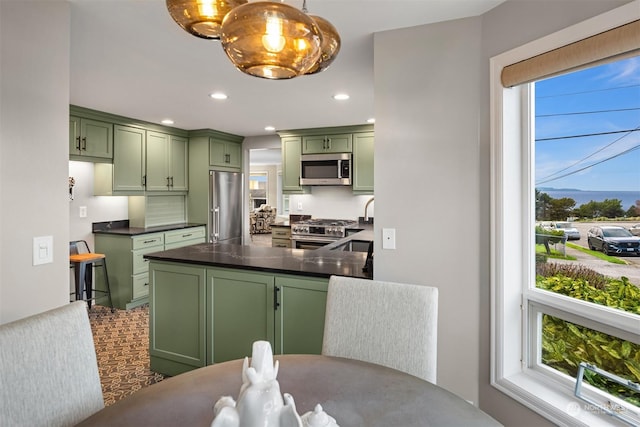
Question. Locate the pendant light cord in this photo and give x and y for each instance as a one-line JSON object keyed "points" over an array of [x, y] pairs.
{"points": [[304, 6]]}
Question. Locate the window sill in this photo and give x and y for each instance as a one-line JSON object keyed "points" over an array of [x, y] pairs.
{"points": [[553, 400]]}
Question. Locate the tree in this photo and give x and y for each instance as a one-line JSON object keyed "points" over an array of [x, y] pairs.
{"points": [[560, 209], [543, 202], [611, 208]]}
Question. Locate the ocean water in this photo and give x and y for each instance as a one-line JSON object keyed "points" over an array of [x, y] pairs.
{"points": [[628, 198]]}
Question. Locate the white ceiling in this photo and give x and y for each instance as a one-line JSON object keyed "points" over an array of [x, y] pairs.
{"points": [[129, 57]]}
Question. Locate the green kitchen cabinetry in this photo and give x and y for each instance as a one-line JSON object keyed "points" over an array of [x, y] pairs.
{"points": [[167, 160], [224, 153], [240, 307], [204, 145], [299, 316], [241, 311], [129, 270], [362, 175], [177, 321], [90, 139], [318, 144], [129, 156], [291, 152]]}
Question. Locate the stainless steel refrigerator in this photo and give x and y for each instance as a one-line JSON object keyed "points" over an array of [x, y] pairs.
{"points": [[225, 210]]}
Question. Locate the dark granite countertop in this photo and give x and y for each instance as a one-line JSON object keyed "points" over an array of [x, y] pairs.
{"points": [[317, 263], [122, 228]]}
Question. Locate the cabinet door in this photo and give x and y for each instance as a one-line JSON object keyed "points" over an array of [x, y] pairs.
{"points": [[291, 152], [225, 153], [340, 143], [241, 312], [128, 158], [177, 318], [157, 162], [179, 163], [363, 162], [300, 314], [97, 138], [91, 138], [74, 136], [234, 153]]}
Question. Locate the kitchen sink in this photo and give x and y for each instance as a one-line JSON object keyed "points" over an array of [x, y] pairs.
{"points": [[353, 246]]}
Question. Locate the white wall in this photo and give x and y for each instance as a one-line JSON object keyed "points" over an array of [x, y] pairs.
{"points": [[432, 132], [34, 116], [426, 175], [99, 208]]}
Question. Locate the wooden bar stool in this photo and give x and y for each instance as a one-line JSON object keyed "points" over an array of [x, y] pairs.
{"points": [[80, 256]]}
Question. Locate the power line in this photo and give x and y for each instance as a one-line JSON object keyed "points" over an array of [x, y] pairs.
{"points": [[587, 91], [589, 156], [635, 147], [588, 112], [587, 134]]}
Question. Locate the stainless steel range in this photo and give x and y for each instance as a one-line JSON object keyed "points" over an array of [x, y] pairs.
{"points": [[316, 232]]}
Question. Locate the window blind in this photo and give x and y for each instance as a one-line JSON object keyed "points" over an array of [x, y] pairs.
{"points": [[612, 45]]}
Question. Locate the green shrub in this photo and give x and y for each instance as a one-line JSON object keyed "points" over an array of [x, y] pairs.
{"points": [[565, 345]]}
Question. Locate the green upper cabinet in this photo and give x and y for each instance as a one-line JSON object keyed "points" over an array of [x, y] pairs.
{"points": [[362, 178], [291, 152], [90, 139], [225, 154], [129, 145], [166, 162], [318, 144]]}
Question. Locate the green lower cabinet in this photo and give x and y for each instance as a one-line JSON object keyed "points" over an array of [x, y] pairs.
{"points": [[241, 313], [200, 316], [300, 315], [177, 318]]}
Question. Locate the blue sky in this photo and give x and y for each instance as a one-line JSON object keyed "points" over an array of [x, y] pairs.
{"points": [[612, 91]]}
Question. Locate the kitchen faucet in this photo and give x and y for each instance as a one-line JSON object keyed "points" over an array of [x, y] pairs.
{"points": [[366, 207]]}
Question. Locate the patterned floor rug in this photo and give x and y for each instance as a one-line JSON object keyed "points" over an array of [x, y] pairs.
{"points": [[122, 348]]}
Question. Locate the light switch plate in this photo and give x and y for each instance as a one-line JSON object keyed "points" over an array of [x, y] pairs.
{"points": [[42, 250], [388, 238]]}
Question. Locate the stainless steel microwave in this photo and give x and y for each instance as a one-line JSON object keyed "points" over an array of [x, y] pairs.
{"points": [[325, 169]]}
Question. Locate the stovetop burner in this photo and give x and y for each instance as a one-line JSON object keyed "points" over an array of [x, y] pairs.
{"points": [[334, 228]]}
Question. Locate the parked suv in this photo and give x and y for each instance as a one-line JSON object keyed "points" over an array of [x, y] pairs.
{"points": [[612, 239]]}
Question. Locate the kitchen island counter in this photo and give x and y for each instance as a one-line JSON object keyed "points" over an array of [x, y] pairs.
{"points": [[122, 228], [312, 263]]}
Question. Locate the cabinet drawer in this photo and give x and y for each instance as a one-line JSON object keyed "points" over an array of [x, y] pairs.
{"points": [[280, 243], [183, 235], [148, 240], [280, 232], [141, 265], [140, 285]]}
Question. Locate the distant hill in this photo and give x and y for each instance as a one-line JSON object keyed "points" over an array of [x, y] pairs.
{"points": [[556, 189]]}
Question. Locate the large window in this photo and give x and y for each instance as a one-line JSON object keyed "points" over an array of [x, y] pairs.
{"points": [[549, 316]]}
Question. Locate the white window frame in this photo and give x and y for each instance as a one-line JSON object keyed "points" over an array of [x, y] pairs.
{"points": [[516, 304]]}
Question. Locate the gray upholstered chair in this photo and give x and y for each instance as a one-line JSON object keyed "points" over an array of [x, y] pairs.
{"points": [[48, 369], [386, 323]]}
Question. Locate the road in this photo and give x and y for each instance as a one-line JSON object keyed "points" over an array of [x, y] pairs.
{"points": [[631, 270]]}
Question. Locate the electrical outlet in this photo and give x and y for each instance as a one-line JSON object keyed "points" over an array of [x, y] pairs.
{"points": [[299, 205], [83, 212]]}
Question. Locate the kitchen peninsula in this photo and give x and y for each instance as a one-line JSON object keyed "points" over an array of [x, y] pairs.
{"points": [[210, 302]]}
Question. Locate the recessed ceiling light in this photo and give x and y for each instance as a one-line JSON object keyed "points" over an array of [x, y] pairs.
{"points": [[269, 128], [340, 96], [167, 122], [218, 95], [371, 120]]}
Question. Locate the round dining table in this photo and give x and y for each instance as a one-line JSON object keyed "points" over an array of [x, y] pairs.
{"points": [[356, 394]]}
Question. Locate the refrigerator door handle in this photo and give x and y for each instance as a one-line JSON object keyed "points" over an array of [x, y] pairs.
{"points": [[216, 223]]}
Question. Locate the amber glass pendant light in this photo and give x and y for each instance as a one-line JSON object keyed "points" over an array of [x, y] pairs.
{"points": [[201, 18], [271, 40], [330, 45]]}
